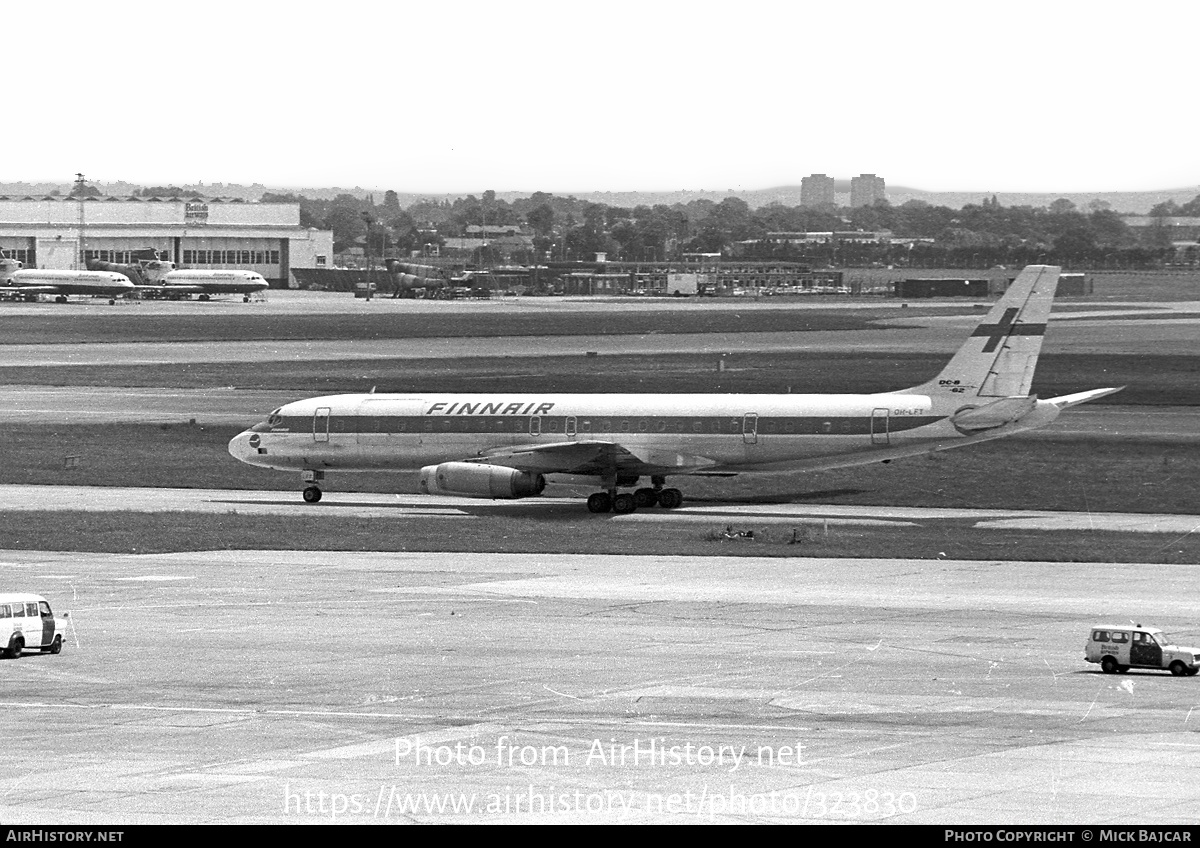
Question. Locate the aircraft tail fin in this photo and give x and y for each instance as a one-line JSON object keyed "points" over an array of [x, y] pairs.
{"points": [[999, 358]]}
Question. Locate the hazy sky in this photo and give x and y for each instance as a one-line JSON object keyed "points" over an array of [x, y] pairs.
{"points": [[1051, 95]]}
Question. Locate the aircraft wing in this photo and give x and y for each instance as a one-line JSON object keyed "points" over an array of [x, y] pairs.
{"points": [[593, 457]]}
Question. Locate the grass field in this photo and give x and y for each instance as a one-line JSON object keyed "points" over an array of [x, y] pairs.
{"points": [[566, 531], [689, 317]]}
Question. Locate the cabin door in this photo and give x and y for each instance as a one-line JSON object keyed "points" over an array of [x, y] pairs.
{"points": [[321, 425], [879, 427], [750, 428]]}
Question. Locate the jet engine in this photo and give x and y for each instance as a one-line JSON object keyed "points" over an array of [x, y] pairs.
{"points": [[479, 481]]}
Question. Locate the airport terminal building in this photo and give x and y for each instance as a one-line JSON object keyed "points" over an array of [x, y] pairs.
{"points": [[213, 233]]}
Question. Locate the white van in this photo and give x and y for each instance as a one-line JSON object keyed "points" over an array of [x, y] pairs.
{"points": [[1120, 647], [27, 624]]}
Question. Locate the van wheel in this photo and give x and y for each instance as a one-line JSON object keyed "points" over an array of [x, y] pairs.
{"points": [[56, 647], [1108, 665], [15, 645], [1178, 669]]}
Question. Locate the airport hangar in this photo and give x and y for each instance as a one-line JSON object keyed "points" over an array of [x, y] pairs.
{"points": [[212, 233]]}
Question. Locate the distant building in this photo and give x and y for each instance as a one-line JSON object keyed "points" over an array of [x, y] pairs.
{"points": [[866, 189], [816, 190], [854, 236], [1168, 228], [938, 287], [493, 230], [53, 231]]}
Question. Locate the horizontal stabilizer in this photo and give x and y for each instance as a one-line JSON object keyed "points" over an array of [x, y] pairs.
{"points": [[995, 414], [1067, 401]]}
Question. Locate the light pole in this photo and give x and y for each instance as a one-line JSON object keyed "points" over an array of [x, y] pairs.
{"points": [[80, 190], [366, 216]]}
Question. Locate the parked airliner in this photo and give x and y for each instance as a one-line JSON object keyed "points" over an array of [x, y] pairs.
{"points": [[506, 446], [31, 282], [206, 283]]}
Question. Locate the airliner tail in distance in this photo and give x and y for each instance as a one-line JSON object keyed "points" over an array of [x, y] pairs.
{"points": [[511, 445]]}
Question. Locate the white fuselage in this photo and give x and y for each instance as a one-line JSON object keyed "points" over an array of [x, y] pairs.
{"points": [[688, 432], [217, 281], [107, 283]]}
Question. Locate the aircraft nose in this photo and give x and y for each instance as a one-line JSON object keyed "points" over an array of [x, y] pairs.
{"points": [[244, 446]]}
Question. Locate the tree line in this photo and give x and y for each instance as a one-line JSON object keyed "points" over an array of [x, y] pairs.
{"points": [[978, 235]]}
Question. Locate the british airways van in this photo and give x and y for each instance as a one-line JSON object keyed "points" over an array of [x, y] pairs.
{"points": [[1119, 647], [27, 624]]}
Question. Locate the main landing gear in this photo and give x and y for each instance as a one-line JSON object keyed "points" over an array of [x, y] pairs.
{"points": [[627, 502]]}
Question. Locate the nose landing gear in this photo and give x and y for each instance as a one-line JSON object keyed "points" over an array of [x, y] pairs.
{"points": [[312, 491]]}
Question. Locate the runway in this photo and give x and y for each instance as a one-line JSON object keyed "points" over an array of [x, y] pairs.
{"points": [[394, 506], [301, 687]]}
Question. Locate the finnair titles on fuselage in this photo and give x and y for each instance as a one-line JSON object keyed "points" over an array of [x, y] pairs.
{"points": [[506, 446]]}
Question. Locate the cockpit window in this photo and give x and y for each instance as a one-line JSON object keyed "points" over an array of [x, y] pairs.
{"points": [[275, 419]]}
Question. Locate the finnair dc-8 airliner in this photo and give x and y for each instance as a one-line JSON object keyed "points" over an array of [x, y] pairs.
{"points": [[507, 446]]}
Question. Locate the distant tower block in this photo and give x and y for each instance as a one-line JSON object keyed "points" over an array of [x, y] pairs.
{"points": [[865, 189], [816, 190]]}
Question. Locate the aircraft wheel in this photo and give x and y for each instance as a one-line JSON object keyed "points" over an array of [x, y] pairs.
{"points": [[624, 503], [599, 502], [670, 498], [645, 498], [1108, 665], [312, 494], [1178, 669]]}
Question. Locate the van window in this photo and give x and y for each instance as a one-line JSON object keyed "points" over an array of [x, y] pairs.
{"points": [[31, 609], [1100, 636], [1120, 636], [18, 610], [44, 608], [5, 611]]}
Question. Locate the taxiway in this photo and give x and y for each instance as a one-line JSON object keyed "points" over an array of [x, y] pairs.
{"points": [[235, 686]]}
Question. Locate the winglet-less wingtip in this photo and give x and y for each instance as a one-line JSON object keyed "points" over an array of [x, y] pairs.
{"points": [[1067, 401]]}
